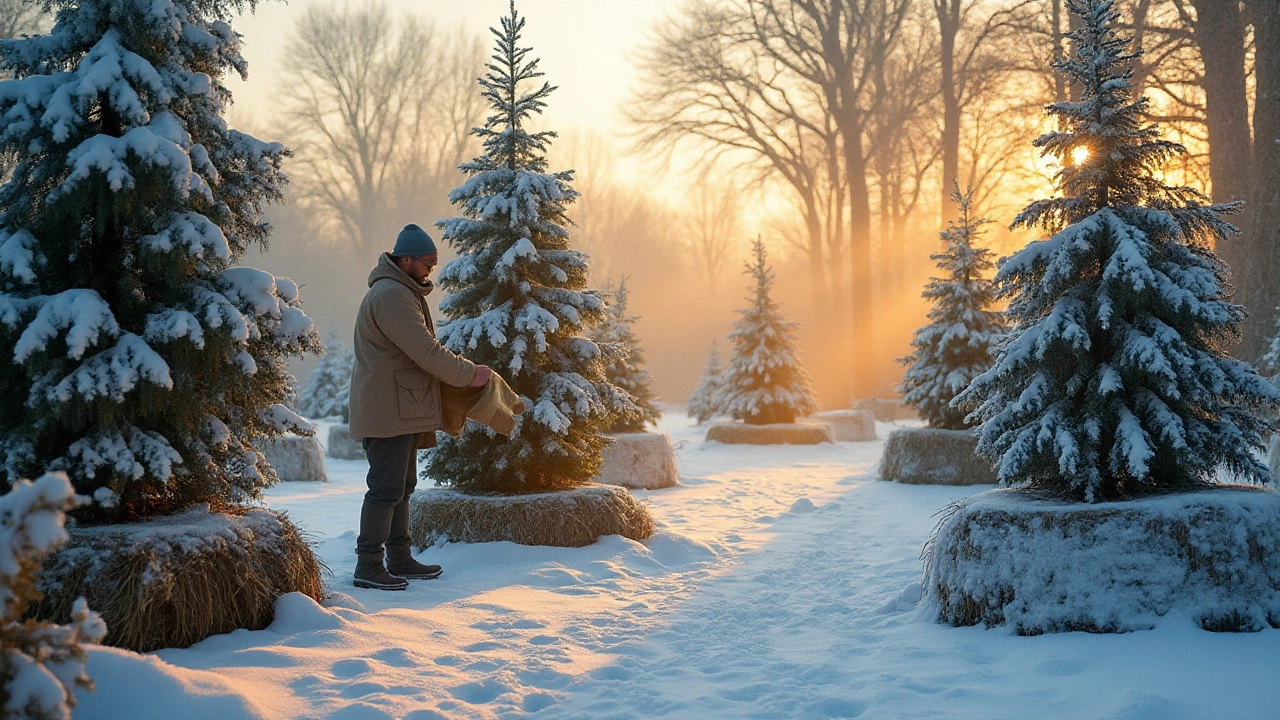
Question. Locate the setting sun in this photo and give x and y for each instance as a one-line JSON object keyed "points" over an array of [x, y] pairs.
{"points": [[1079, 155]]}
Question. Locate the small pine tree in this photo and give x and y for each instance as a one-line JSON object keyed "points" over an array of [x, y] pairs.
{"points": [[1114, 380], [625, 366], [766, 381], [327, 392], [137, 358], [706, 401], [517, 301], [41, 664], [956, 345]]}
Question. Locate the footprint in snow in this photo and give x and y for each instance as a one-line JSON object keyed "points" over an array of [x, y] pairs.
{"points": [[802, 505]]}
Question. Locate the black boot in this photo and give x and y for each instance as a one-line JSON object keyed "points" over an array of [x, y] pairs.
{"points": [[371, 574], [400, 561]]}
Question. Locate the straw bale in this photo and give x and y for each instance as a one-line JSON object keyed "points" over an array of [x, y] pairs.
{"points": [[174, 581], [775, 434], [296, 457], [342, 447], [644, 461], [849, 425], [568, 518], [886, 409], [933, 456], [1008, 557]]}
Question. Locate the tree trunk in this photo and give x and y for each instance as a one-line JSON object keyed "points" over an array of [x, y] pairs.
{"points": [[1263, 229], [1220, 35], [864, 331], [949, 26]]}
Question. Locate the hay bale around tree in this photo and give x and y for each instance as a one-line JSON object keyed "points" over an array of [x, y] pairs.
{"points": [[736, 433], [567, 518], [934, 456], [642, 461], [849, 425], [887, 409], [296, 458], [342, 447], [1008, 557], [170, 582]]}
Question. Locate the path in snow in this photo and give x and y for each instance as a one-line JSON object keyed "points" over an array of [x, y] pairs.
{"points": [[771, 590]]}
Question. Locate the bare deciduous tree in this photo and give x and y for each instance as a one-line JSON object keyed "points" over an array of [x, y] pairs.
{"points": [[379, 109]]}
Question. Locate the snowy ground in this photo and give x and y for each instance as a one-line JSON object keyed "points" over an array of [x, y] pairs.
{"points": [[771, 590]]}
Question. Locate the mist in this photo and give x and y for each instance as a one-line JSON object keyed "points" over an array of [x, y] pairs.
{"points": [[711, 123]]}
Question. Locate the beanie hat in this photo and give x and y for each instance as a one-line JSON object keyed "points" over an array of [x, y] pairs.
{"points": [[413, 240]]}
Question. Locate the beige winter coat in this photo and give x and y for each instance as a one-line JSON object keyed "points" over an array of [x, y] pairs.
{"points": [[395, 384]]}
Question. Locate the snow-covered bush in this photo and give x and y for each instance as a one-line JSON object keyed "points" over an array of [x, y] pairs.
{"points": [[955, 346], [705, 402], [134, 355], [625, 366], [517, 300], [41, 664], [1114, 379], [766, 382], [327, 392]]}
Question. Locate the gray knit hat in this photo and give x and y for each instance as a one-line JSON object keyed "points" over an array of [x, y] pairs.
{"points": [[413, 240]]}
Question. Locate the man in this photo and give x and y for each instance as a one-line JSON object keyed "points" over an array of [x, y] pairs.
{"points": [[395, 403]]}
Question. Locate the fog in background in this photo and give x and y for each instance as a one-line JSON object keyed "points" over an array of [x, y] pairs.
{"points": [[694, 126]]}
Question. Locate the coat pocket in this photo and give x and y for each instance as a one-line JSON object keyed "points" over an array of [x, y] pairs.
{"points": [[417, 395]]}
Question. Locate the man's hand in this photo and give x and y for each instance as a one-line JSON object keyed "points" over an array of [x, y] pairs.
{"points": [[483, 373]]}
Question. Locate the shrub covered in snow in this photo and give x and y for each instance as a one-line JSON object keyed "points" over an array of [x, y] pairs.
{"points": [[517, 300], [134, 355], [41, 664], [766, 382], [1114, 379], [626, 367], [955, 347], [328, 390], [706, 401]]}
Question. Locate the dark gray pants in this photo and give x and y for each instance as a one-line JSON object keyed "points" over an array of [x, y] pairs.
{"points": [[393, 476]]}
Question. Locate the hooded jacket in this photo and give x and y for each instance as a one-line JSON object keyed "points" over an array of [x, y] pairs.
{"points": [[399, 363]]}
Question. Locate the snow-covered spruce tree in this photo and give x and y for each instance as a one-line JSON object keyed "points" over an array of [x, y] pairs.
{"points": [[706, 400], [1114, 380], [517, 300], [133, 355], [327, 391], [624, 364], [766, 382], [956, 346], [41, 664]]}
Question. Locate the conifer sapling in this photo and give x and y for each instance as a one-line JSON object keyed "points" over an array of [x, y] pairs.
{"points": [[134, 355], [706, 400], [517, 300], [955, 346], [625, 365], [766, 381], [327, 392], [1115, 380]]}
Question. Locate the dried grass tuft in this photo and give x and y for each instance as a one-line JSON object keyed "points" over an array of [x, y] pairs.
{"points": [[174, 581], [734, 433], [568, 518]]}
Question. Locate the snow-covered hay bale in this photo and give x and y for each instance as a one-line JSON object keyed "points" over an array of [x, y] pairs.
{"points": [[644, 461], [296, 458], [933, 456], [342, 447], [849, 425], [736, 433], [886, 409], [174, 581], [568, 518], [1006, 557]]}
